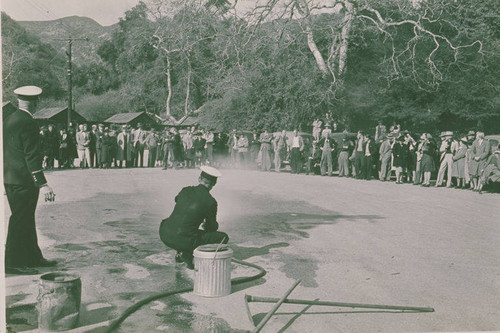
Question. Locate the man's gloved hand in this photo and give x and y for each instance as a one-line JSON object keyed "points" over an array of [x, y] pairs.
{"points": [[48, 193]]}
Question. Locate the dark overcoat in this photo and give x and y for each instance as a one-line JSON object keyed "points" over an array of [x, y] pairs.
{"points": [[22, 151], [194, 205]]}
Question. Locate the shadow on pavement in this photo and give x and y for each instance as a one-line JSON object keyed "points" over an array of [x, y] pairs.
{"points": [[243, 253], [295, 224], [25, 317]]}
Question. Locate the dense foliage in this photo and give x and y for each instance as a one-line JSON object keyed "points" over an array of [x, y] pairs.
{"points": [[255, 76], [28, 61]]}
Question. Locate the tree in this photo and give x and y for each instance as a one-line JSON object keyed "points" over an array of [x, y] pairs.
{"points": [[28, 61], [178, 37]]}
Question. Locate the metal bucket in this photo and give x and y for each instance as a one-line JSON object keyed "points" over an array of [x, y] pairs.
{"points": [[59, 301], [212, 270]]}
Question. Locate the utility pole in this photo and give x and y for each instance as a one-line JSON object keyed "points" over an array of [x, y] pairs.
{"points": [[70, 74], [70, 81]]}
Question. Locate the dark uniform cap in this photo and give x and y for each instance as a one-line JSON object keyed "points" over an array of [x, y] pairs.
{"points": [[210, 173], [28, 93]]}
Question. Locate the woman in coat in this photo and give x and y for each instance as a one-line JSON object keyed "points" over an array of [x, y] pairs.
{"points": [[107, 144], [254, 150], [399, 158], [113, 149], [122, 143], [427, 164], [458, 168], [480, 152], [63, 149], [265, 150], [72, 152], [242, 157]]}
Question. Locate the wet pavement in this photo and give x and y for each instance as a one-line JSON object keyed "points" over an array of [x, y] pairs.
{"points": [[346, 240]]}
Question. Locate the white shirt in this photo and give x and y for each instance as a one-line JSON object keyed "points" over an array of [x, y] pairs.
{"points": [[360, 144], [367, 150], [296, 143], [27, 112]]}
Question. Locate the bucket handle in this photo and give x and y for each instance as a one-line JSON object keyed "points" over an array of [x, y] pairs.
{"points": [[217, 249]]}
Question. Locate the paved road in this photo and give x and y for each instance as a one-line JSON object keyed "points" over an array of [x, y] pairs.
{"points": [[347, 240]]}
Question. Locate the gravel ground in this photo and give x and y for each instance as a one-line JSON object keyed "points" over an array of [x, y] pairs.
{"points": [[347, 241]]}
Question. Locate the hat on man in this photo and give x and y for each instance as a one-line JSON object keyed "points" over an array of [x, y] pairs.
{"points": [[471, 133], [28, 93], [423, 136], [327, 125], [210, 173], [464, 139], [429, 136], [447, 133]]}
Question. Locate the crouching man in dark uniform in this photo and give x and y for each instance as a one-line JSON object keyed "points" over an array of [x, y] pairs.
{"points": [[194, 206]]}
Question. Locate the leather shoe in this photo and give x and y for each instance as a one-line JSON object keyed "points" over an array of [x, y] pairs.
{"points": [[178, 257], [46, 263], [21, 271], [190, 265], [188, 260]]}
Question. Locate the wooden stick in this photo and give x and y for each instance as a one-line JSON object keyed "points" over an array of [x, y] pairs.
{"points": [[250, 298], [275, 308]]}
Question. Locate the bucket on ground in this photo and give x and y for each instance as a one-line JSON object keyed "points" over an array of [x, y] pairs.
{"points": [[59, 301], [212, 270]]}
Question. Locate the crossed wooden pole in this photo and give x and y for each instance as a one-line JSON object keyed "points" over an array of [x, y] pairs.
{"points": [[284, 299]]}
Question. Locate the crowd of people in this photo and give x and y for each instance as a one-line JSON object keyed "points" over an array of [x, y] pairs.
{"points": [[99, 146], [465, 161]]}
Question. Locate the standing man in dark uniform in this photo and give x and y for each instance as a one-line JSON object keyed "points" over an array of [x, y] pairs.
{"points": [[194, 206], [23, 180]]}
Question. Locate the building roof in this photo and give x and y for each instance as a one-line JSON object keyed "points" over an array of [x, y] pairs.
{"points": [[48, 113], [58, 114], [190, 120], [123, 118]]}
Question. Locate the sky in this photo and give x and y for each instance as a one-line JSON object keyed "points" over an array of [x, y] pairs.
{"points": [[105, 12]]}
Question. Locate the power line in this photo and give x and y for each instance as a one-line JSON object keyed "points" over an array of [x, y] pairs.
{"points": [[74, 31], [45, 11], [51, 60]]}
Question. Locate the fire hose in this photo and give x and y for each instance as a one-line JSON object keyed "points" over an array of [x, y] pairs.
{"points": [[136, 306], [284, 299]]}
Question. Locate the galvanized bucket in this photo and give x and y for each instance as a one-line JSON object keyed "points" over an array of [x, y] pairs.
{"points": [[59, 301], [212, 270]]}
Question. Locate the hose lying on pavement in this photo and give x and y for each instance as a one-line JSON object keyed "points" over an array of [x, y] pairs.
{"points": [[136, 306]]}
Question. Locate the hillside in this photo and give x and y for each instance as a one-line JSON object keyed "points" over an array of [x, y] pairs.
{"points": [[51, 32], [26, 60]]}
